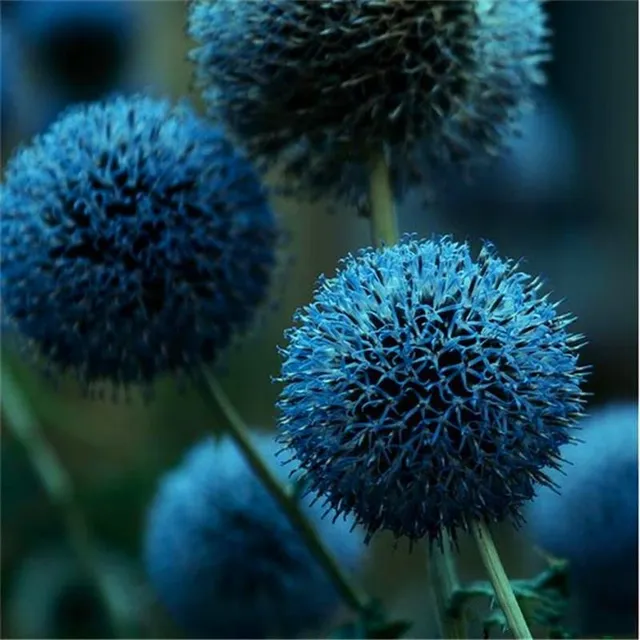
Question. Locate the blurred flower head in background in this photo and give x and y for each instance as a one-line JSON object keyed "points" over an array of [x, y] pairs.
{"points": [[425, 389], [593, 521], [224, 559], [571, 211], [327, 86], [532, 182], [67, 52], [50, 595], [135, 242]]}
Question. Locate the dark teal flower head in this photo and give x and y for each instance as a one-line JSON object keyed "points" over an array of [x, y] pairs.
{"points": [[592, 521], [324, 85], [135, 241], [225, 561], [424, 389]]}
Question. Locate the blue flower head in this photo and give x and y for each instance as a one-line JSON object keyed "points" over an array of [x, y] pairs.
{"points": [[424, 389], [49, 588], [324, 86], [224, 559], [593, 521], [135, 242], [79, 50]]}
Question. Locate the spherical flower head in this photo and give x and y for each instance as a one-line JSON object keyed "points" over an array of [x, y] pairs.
{"points": [[135, 241], [50, 588], [424, 389], [325, 86], [78, 50], [224, 559], [593, 520]]}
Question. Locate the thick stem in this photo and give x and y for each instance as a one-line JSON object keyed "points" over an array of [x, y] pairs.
{"points": [[59, 488], [384, 223], [444, 583], [212, 393], [504, 592]]}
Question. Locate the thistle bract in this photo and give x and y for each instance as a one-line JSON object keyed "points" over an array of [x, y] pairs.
{"points": [[424, 389], [323, 86], [135, 241], [224, 559]]}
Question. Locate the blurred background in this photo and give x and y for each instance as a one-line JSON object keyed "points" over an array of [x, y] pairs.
{"points": [[565, 199]]}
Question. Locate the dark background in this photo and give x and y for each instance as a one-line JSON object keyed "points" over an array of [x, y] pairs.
{"points": [[565, 201]]}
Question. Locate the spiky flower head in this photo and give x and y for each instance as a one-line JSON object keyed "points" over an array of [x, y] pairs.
{"points": [[424, 389], [135, 241], [593, 521], [224, 559], [325, 85]]}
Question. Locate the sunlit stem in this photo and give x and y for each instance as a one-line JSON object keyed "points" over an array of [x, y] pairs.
{"points": [[444, 583], [498, 577], [59, 488], [384, 223], [214, 395]]}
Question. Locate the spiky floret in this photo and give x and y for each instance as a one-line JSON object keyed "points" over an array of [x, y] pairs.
{"points": [[424, 389], [325, 85], [135, 241], [224, 559], [593, 521]]}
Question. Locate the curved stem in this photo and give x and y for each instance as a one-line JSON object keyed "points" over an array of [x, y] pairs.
{"points": [[384, 223], [213, 393], [444, 583], [504, 593], [59, 488]]}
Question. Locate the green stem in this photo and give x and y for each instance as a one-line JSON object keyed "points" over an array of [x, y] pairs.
{"points": [[504, 593], [212, 393], [59, 487], [444, 583], [384, 223]]}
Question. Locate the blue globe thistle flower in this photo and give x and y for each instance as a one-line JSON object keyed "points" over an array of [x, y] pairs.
{"points": [[50, 596], [224, 559], [424, 389], [135, 242], [81, 50], [322, 86], [593, 521], [68, 52]]}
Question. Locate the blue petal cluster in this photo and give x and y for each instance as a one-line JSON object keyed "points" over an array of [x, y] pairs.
{"points": [[424, 389], [135, 241], [224, 559], [593, 521], [322, 86]]}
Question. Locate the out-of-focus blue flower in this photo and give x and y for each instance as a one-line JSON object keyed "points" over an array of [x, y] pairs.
{"points": [[424, 389], [135, 241], [71, 52], [224, 559], [49, 596], [532, 188], [593, 521], [325, 86]]}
